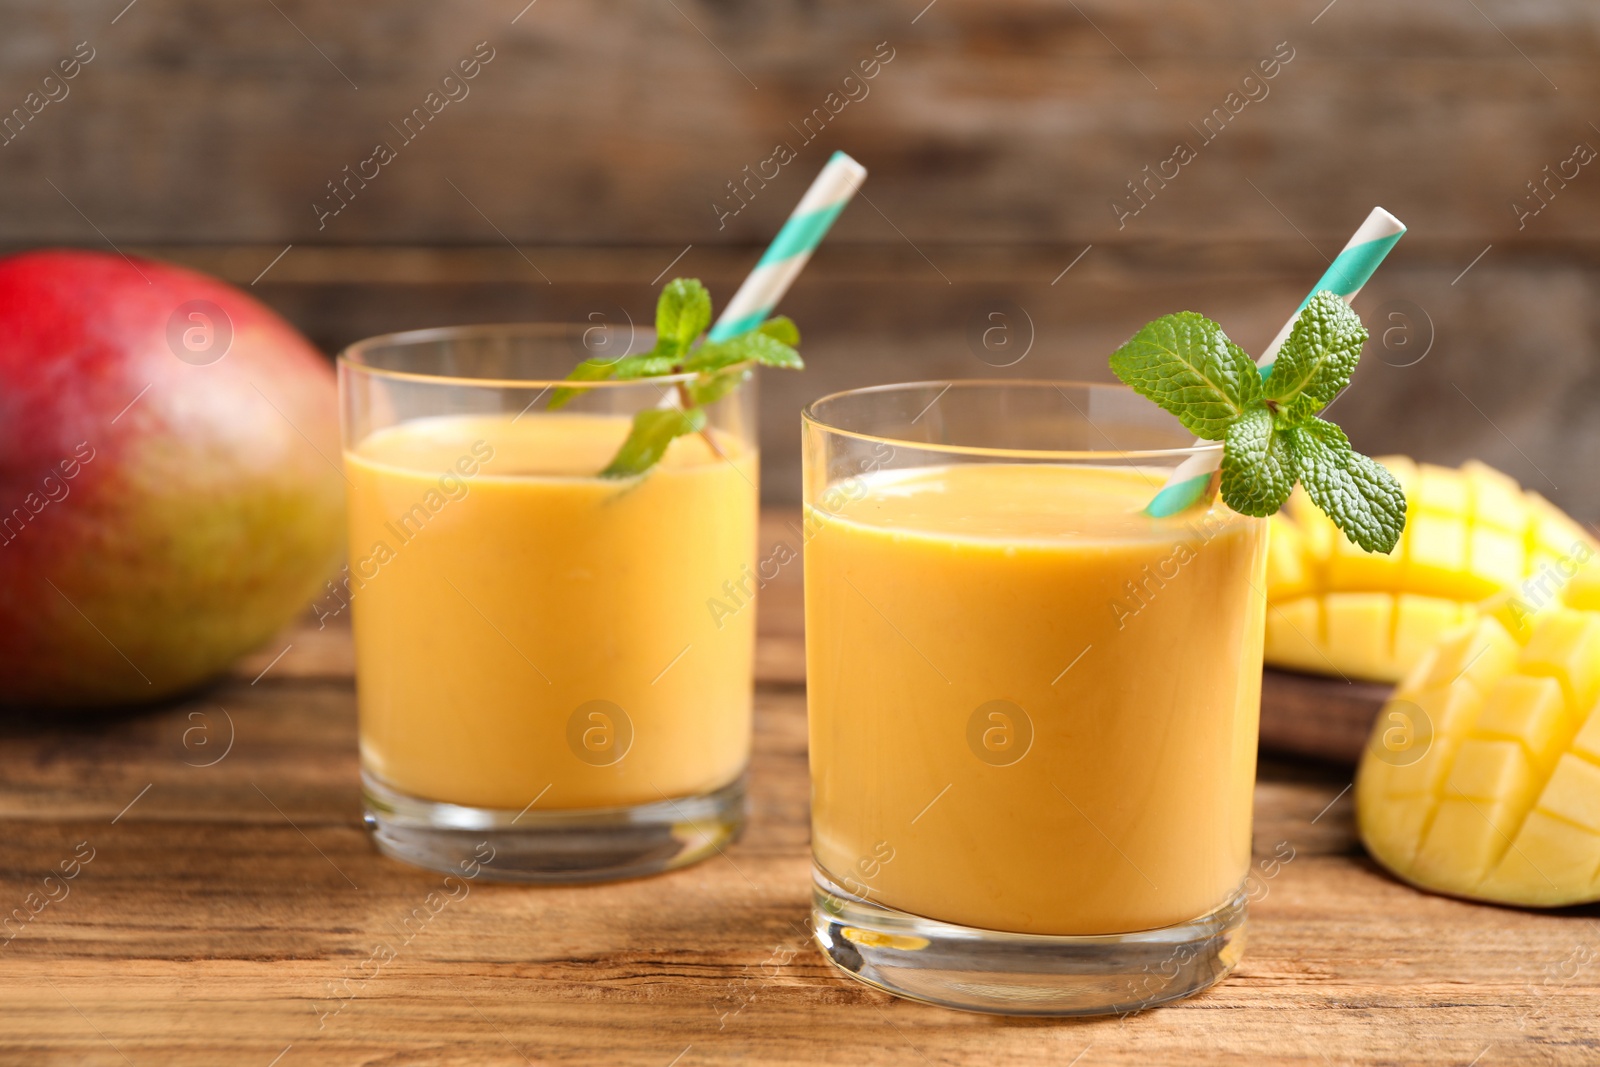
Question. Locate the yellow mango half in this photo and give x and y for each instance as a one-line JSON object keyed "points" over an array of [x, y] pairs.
{"points": [[1336, 609], [1482, 775]]}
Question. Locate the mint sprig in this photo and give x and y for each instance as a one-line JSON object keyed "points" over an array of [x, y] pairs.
{"points": [[1272, 437], [683, 311]]}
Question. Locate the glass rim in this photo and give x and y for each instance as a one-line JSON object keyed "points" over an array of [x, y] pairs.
{"points": [[353, 356], [810, 417]]}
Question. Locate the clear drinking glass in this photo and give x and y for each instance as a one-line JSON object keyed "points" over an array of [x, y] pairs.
{"points": [[538, 676], [1033, 708]]}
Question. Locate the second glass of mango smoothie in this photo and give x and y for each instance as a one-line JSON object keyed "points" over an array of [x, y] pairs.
{"points": [[543, 694], [1033, 707]]}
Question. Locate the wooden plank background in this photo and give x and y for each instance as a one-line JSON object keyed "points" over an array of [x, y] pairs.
{"points": [[590, 149]]}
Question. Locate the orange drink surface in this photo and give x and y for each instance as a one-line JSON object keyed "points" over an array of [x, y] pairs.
{"points": [[528, 630], [1032, 707]]}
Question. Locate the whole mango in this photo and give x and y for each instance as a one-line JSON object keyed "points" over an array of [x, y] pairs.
{"points": [[169, 495]]}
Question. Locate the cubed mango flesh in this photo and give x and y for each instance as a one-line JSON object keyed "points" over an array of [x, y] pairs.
{"points": [[1482, 775], [1288, 567], [1471, 533]]}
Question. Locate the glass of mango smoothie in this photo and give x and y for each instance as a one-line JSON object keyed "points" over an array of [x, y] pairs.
{"points": [[1033, 708], [541, 689]]}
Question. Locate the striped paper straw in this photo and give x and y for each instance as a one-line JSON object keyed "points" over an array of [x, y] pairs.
{"points": [[1345, 276], [789, 251]]}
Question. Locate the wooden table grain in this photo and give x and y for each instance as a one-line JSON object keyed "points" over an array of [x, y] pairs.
{"points": [[225, 906]]}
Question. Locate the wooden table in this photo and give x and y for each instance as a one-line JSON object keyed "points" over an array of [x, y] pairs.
{"points": [[232, 903]]}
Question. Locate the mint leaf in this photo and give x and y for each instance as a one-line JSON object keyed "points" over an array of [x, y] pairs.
{"points": [[714, 355], [647, 441], [708, 389], [682, 314], [1187, 365], [769, 351], [590, 370], [781, 328], [1258, 468], [755, 345], [1361, 497], [1316, 362], [650, 364]]}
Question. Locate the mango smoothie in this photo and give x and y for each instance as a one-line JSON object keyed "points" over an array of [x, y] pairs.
{"points": [[1032, 707], [528, 631]]}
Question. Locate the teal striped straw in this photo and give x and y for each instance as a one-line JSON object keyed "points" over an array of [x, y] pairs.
{"points": [[835, 184], [1345, 276]]}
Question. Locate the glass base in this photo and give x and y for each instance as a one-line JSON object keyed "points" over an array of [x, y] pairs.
{"points": [[553, 847], [1023, 974]]}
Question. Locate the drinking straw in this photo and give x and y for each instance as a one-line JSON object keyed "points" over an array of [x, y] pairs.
{"points": [[1345, 276], [835, 184]]}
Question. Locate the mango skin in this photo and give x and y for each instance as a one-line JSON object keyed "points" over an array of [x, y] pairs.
{"points": [[1335, 609], [1482, 775], [159, 517]]}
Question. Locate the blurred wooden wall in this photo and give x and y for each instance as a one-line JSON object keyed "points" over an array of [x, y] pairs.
{"points": [[595, 144]]}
